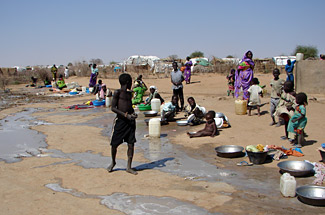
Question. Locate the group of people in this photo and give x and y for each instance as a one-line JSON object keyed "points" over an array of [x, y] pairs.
{"points": [[285, 103]]}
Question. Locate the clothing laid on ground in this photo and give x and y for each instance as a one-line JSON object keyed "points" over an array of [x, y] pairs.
{"points": [[254, 97], [297, 127], [123, 131]]}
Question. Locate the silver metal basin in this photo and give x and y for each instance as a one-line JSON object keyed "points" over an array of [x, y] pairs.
{"points": [[312, 195], [150, 113], [229, 151], [296, 168]]}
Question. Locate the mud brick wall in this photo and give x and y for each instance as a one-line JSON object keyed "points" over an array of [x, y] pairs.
{"points": [[310, 76]]}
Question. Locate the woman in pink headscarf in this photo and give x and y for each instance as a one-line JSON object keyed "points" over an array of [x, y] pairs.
{"points": [[244, 75]]}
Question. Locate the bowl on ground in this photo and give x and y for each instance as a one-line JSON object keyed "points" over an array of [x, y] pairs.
{"points": [[150, 113], [144, 107], [229, 151], [311, 195], [296, 168], [182, 122], [256, 157]]}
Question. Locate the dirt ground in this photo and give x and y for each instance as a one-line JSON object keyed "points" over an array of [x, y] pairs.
{"points": [[24, 185]]}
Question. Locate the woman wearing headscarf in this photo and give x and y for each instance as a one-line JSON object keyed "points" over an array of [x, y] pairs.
{"points": [[244, 75], [187, 71], [154, 95]]}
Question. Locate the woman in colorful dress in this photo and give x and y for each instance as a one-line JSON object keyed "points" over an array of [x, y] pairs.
{"points": [[244, 75], [187, 72]]}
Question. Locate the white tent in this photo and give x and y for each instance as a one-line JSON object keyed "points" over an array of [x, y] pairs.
{"points": [[282, 60]]}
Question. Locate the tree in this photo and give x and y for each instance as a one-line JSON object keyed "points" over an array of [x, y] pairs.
{"points": [[230, 56], [173, 57], [197, 54], [308, 51], [112, 62], [70, 64], [97, 61]]}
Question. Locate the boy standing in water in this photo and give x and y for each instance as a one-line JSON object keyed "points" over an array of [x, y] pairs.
{"points": [[124, 123], [276, 85]]}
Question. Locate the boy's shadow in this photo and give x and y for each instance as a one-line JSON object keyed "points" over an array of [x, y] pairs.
{"points": [[145, 166], [194, 82], [154, 164]]}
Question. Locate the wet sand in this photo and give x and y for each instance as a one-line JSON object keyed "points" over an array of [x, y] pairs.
{"points": [[177, 175]]}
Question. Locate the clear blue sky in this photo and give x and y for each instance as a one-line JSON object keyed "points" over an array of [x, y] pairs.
{"points": [[45, 32]]}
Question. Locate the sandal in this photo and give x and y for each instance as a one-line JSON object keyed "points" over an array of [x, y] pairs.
{"points": [[244, 163]]}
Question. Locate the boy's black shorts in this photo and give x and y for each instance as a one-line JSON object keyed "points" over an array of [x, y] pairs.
{"points": [[123, 131]]}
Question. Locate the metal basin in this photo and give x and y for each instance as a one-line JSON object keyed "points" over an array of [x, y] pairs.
{"points": [[311, 195], [150, 113], [182, 122], [296, 168], [229, 151]]}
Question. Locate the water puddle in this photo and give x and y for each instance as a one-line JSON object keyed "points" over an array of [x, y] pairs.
{"points": [[135, 205], [17, 139]]}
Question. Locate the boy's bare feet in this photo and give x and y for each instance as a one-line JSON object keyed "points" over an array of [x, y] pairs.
{"points": [[130, 170], [110, 167]]}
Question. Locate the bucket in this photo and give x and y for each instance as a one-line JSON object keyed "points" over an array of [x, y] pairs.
{"points": [[154, 127], [108, 101], [257, 157], [155, 105], [299, 56], [83, 89], [288, 185], [91, 89], [240, 107]]}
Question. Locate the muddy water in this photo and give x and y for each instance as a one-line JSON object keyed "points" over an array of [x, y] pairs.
{"points": [[136, 204], [17, 139]]}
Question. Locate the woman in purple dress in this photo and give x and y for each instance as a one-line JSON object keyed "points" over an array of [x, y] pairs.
{"points": [[187, 72], [244, 75]]}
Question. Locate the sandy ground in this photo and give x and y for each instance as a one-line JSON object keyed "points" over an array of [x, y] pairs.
{"points": [[24, 185]]}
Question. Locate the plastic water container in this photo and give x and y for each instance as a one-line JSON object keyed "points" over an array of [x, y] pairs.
{"points": [[240, 107], [299, 56], [288, 185], [155, 105], [83, 89], [154, 127], [108, 101]]}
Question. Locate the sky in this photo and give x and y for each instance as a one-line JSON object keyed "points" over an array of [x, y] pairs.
{"points": [[46, 32]]}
